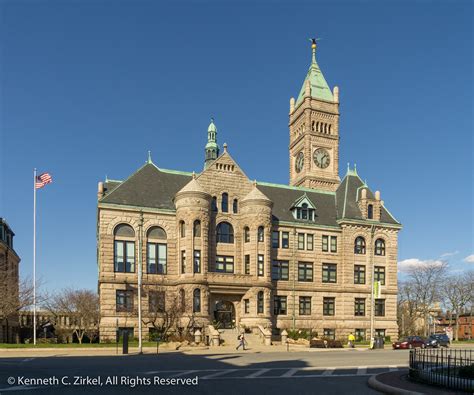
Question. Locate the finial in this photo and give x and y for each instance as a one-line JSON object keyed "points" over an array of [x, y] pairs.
{"points": [[106, 178], [348, 167], [212, 119], [254, 183], [225, 147], [355, 168], [194, 175], [313, 48], [149, 157]]}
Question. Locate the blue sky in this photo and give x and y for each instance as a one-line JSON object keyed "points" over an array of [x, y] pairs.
{"points": [[87, 88]]}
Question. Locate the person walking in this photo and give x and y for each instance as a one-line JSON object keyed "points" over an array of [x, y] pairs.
{"points": [[241, 339], [351, 340]]}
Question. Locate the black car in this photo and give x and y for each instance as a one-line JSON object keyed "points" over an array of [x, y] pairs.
{"points": [[439, 340]]}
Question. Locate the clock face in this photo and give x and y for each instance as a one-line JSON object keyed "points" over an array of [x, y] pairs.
{"points": [[321, 158], [299, 163]]}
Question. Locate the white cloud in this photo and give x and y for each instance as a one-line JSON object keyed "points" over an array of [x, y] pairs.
{"points": [[414, 263], [446, 254], [469, 259]]}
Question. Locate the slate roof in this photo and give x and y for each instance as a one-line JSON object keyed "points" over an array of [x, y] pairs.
{"points": [[152, 187], [148, 187], [346, 200]]}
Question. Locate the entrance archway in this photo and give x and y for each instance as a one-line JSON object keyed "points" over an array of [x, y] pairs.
{"points": [[224, 314]]}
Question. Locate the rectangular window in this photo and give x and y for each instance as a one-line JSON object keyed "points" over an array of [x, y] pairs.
{"points": [[197, 261], [183, 261], [280, 270], [359, 274], [246, 306], [279, 305], [359, 334], [379, 272], [285, 240], [275, 239], [359, 307], [300, 241], [329, 273], [156, 302], [124, 301], [380, 333], [305, 271], [329, 334], [333, 243], [380, 307], [156, 258], [247, 264], [329, 306], [305, 305], [325, 243], [225, 264], [124, 256], [260, 267], [309, 242]]}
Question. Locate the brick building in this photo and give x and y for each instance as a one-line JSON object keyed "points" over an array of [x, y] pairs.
{"points": [[9, 283], [250, 253]]}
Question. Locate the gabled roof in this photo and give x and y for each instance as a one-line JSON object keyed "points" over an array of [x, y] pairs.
{"points": [[346, 197], [303, 199], [319, 87], [147, 187]]}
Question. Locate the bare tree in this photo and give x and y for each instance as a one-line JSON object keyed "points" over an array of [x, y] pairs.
{"points": [[456, 294], [424, 284], [407, 309], [82, 308]]}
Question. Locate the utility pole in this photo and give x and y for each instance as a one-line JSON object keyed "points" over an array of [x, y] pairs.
{"points": [[140, 263], [372, 290]]}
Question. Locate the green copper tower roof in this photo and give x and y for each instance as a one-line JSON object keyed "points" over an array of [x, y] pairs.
{"points": [[319, 87], [211, 149]]}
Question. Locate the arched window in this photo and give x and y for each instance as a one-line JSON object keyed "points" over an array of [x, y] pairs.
{"points": [[182, 229], [197, 301], [260, 302], [359, 245], [214, 204], [380, 247], [182, 300], [225, 203], [235, 206], [370, 211], [156, 250], [225, 233], [246, 234], [197, 228], [260, 234], [124, 249]]}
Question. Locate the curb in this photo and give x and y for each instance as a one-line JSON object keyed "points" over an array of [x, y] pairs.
{"points": [[388, 389]]}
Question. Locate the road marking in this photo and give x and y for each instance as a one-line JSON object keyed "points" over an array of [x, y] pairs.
{"points": [[28, 359], [328, 372], [290, 372], [183, 373], [257, 373], [217, 374], [393, 368], [361, 370]]}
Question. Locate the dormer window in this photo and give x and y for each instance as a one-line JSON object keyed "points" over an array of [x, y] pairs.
{"points": [[303, 209]]}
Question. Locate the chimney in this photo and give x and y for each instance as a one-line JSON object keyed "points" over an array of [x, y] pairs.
{"points": [[377, 195], [335, 93], [100, 190], [292, 105], [363, 193]]}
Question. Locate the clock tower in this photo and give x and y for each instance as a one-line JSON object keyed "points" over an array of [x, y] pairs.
{"points": [[314, 132]]}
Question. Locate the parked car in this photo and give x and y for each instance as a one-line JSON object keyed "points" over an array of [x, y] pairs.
{"points": [[409, 342], [437, 340]]}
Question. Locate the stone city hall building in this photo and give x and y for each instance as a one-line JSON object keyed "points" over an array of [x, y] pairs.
{"points": [[249, 253]]}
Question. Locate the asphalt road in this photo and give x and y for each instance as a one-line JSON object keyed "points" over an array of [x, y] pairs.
{"points": [[334, 372]]}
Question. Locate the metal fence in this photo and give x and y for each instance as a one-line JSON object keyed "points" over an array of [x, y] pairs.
{"points": [[441, 367]]}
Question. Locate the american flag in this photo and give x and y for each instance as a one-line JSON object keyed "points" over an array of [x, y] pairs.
{"points": [[42, 180]]}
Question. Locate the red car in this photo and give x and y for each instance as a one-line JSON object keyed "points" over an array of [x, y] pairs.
{"points": [[409, 342]]}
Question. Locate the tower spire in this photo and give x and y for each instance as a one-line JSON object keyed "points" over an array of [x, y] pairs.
{"points": [[211, 149]]}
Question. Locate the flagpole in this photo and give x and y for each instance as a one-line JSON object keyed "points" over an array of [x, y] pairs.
{"points": [[34, 256]]}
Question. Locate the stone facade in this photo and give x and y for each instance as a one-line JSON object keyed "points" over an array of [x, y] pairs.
{"points": [[251, 253], [9, 280]]}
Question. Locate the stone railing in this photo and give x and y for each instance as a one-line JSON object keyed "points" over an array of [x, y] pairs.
{"points": [[214, 336], [265, 335]]}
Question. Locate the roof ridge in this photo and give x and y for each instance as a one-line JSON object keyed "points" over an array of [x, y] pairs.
{"points": [[302, 189]]}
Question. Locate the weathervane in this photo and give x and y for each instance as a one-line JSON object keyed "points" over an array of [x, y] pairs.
{"points": [[313, 47]]}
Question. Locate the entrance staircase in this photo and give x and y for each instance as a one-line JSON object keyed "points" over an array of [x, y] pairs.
{"points": [[229, 338]]}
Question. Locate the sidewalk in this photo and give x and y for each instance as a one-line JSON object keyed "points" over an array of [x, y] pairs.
{"points": [[397, 383]]}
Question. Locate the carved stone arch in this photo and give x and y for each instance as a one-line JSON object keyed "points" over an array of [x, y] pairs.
{"points": [[133, 222], [154, 222]]}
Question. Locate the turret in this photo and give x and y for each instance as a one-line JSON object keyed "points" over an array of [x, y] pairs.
{"points": [[212, 149]]}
